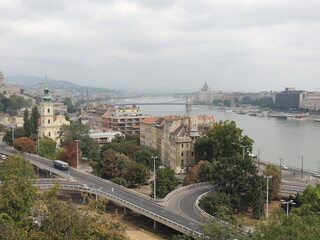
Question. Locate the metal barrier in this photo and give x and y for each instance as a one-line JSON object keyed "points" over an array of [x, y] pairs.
{"points": [[125, 203]]}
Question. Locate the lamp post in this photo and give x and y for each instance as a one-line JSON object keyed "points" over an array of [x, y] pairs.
{"points": [[267, 202], [243, 147], [154, 176], [288, 203], [77, 153], [301, 166], [280, 162], [12, 135]]}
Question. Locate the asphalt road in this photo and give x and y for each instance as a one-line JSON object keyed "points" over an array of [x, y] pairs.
{"points": [[180, 210]]}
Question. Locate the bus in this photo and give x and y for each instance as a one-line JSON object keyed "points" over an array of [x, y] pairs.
{"points": [[60, 164]]}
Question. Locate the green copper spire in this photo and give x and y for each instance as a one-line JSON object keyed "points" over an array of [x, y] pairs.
{"points": [[46, 98]]}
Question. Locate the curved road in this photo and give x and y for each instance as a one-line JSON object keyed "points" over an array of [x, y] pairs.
{"points": [[180, 208]]}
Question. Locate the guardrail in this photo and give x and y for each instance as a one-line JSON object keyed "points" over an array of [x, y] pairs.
{"points": [[127, 204], [207, 215]]}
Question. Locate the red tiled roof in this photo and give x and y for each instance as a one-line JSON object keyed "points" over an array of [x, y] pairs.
{"points": [[149, 120]]}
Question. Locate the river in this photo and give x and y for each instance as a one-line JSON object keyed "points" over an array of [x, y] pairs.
{"points": [[274, 138]]}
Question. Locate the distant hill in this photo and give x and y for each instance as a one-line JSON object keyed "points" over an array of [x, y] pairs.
{"points": [[30, 82]]}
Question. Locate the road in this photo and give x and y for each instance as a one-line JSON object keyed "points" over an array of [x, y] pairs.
{"points": [[180, 209]]}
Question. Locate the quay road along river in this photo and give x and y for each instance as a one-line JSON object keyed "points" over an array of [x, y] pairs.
{"points": [[181, 214]]}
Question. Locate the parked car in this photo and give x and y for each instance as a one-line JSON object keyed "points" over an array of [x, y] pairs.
{"points": [[283, 167], [317, 175]]}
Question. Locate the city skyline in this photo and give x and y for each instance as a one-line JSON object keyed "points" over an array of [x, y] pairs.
{"points": [[233, 46]]}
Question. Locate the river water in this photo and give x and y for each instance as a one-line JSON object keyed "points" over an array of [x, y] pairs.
{"points": [[274, 138]]}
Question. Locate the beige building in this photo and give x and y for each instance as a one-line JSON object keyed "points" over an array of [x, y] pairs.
{"points": [[8, 89], [174, 137], [311, 101], [124, 119], [50, 123]]}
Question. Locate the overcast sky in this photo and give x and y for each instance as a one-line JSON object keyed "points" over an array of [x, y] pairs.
{"points": [[232, 45]]}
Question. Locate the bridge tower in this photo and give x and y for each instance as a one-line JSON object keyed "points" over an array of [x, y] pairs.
{"points": [[188, 106]]}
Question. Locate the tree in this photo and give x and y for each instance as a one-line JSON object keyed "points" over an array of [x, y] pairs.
{"points": [[144, 155], [193, 175], [71, 108], [17, 195], [79, 131], [223, 141], [47, 148], [34, 119], [26, 123], [302, 223], [311, 196], [218, 205], [70, 155], [24, 144], [166, 182], [18, 133], [274, 182], [235, 177], [136, 173]]}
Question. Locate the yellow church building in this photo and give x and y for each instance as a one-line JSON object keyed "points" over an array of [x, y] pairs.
{"points": [[50, 123]]}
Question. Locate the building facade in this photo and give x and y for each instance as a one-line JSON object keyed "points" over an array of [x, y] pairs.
{"points": [[8, 89], [290, 98], [174, 137], [50, 123], [124, 119], [311, 101]]}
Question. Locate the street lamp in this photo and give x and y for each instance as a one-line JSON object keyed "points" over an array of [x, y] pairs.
{"points": [[301, 166], [243, 147], [288, 203], [267, 203], [12, 127], [280, 162], [154, 176], [77, 153]]}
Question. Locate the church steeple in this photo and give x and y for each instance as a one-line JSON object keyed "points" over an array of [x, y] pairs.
{"points": [[46, 98]]}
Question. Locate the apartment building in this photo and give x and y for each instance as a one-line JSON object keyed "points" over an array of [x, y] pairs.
{"points": [[174, 137], [124, 119]]}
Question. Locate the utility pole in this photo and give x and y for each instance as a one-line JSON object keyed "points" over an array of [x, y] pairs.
{"points": [[267, 203], [243, 147], [301, 166], [77, 153], [154, 176]]}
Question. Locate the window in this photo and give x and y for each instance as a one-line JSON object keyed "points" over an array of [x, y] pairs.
{"points": [[49, 134], [48, 110], [48, 121], [182, 163], [192, 153], [187, 145], [182, 145], [181, 154]]}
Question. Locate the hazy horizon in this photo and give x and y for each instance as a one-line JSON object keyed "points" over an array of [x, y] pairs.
{"points": [[232, 45]]}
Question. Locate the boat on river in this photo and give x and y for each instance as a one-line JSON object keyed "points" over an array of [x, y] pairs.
{"points": [[299, 117]]}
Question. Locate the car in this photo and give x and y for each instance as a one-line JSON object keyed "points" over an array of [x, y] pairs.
{"points": [[3, 156], [283, 167], [317, 175]]}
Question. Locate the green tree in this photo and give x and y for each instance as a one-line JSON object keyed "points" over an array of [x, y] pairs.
{"points": [[47, 148], [71, 108], [18, 133], [17, 195], [311, 196], [26, 123], [223, 141], [274, 182], [218, 205], [136, 173], [34, 119], [79, 131], [302, 223], [235, 177], [144, 156], [166, 182]]}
